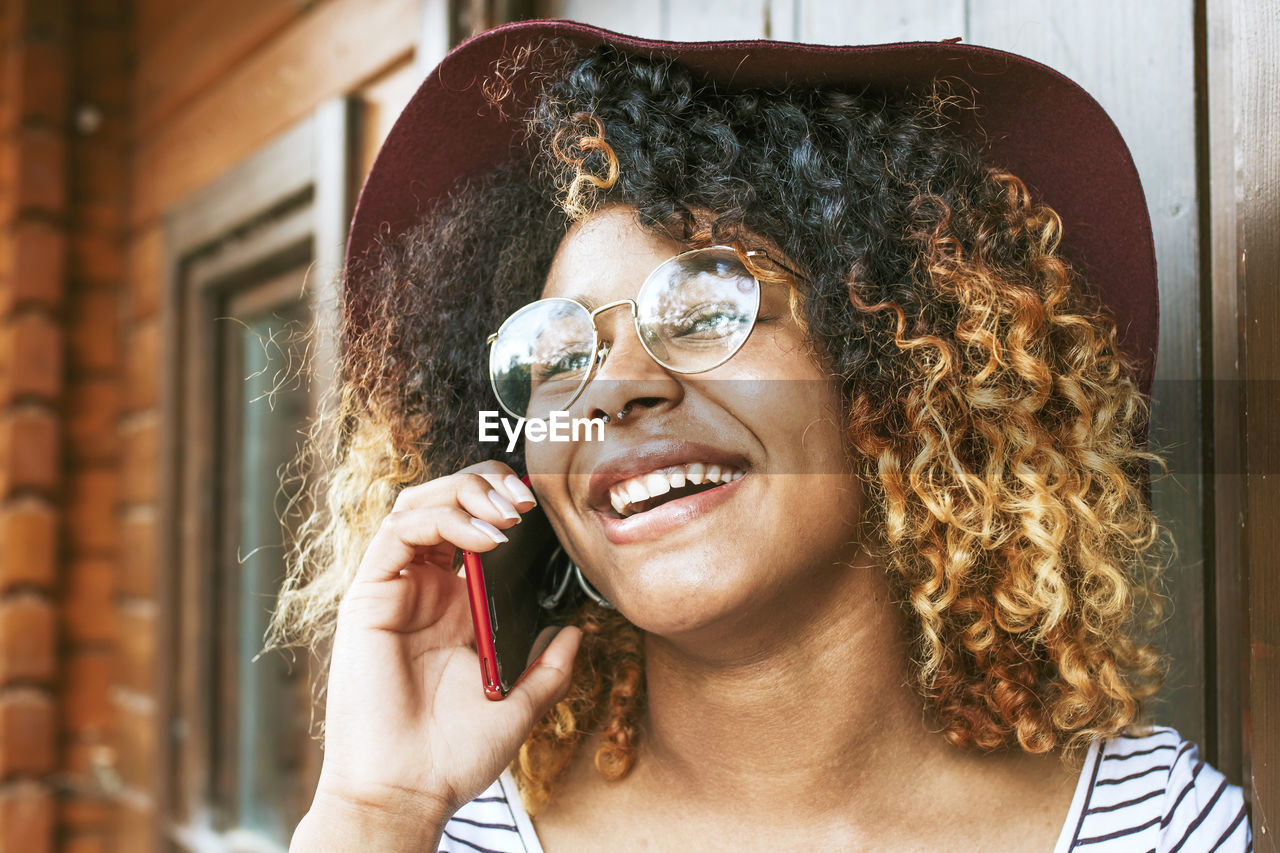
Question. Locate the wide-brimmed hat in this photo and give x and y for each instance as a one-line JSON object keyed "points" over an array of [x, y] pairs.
{"points": [[1027, 119]]}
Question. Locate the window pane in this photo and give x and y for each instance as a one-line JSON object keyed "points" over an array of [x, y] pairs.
{"points": [[272, 720]]}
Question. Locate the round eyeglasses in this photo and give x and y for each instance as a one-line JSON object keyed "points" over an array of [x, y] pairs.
{"points": [[692, 314]]}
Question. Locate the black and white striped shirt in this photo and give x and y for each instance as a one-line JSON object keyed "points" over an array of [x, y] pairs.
{"points": [[1144, 793]]}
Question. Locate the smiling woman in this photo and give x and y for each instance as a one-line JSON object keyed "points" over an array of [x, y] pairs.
{"points": [[869, 511]]}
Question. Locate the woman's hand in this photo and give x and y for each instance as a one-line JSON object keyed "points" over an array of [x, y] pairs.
{"points": [[409, 734]]}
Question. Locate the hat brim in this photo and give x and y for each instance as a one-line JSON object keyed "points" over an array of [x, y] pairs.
{"points": [[1028, 119]]}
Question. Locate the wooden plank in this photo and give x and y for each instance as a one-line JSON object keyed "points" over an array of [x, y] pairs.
{"points": [[716, 19], [275, 172], [1255, 92], [321, 55], [1107, 48], [380, 104], [1225, 488], [835, 22], [204, 40], [783, 22], [645, 19]]}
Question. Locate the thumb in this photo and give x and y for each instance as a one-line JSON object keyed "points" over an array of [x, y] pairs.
{"points": [[547, 681]]}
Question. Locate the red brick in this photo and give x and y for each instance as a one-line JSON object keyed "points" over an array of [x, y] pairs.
{"points": [[98, 216], [89, 763], [137, 830], [38, 77], [108, 89], [138, 736], [86, 698], [88, 607], [34, 368], [92, 504], [102, 47], [143, 370], [26, 817], [28, 450], [27, 639], [41, 177], [139, 477], [139, 535], [85, 811], [39, 264], [99, 164], [146, 272], [92, 407], [27, 729], [28, 543], [97, 258], [39, 20], [94, 331], [102, 12], [136, 656], [86, 842]]}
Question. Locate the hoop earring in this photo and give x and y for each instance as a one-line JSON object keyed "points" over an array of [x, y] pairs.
{"points": [[573, 572], [591, 592]]}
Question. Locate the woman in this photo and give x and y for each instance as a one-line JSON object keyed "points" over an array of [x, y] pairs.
{"points": [[903, 612]]}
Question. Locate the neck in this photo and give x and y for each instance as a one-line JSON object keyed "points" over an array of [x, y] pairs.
{"points": [[820, 692]]}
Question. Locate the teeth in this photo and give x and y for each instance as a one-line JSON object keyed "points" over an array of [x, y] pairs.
{"points": [[656, 484], [636, 491], [625, 495]]}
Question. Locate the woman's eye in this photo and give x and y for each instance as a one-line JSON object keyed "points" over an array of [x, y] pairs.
{"points": [[709, 322], [559, 366]]}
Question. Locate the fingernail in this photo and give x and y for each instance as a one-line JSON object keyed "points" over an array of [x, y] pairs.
{"points": [[519, 489], [488, 530], [504, 506]]}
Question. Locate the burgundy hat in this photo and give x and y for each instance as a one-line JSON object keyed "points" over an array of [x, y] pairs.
{"points": [[1030, 120]]}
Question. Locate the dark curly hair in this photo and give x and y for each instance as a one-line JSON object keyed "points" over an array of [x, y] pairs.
{"points": [[989, 410]]}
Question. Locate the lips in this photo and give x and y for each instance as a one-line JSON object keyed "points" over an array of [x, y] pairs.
{"points": [[629, 482]]}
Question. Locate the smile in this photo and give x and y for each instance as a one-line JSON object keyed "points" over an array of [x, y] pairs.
{"points": [[652, 489]]}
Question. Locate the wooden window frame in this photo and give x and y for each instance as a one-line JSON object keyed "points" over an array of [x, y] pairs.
{"points": [[287, 205]]}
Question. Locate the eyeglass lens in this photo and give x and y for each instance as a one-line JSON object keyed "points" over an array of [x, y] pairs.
{"points": [[692, 314]]}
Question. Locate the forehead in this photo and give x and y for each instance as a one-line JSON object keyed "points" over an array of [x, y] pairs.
{"points": [[607, 256]]}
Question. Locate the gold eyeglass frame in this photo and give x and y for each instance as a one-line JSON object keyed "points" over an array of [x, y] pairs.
{"points": [[600, 349]]}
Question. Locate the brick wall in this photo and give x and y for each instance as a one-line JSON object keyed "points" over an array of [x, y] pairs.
{"points": [[63, 137], [33, 205], [112, 112]]}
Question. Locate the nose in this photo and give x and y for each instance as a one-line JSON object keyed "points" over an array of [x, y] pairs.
{"points": [[626, 377]]}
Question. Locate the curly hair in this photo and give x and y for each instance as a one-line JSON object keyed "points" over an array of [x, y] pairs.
{"points": [[990, 411]]}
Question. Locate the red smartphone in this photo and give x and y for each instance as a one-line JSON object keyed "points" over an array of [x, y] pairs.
{"points": [[521, 592]]}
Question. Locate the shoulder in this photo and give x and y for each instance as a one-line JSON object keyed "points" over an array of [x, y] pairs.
{"points": [[1149, 790], [494, 822]]}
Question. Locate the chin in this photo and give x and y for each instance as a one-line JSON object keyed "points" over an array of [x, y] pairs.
{"points": [[673, 594]]}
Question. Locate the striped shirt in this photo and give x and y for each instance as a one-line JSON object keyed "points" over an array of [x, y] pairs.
{"points": [[1147, 792]]}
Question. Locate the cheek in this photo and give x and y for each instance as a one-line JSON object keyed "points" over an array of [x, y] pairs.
{"points": [[547, 460]]}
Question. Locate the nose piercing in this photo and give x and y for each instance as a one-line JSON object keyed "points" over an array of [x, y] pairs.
{"points": [[623, 413]]}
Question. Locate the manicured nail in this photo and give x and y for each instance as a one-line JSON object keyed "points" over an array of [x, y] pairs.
{"points": [[488, 530], [504, 506], [519, 489]]}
